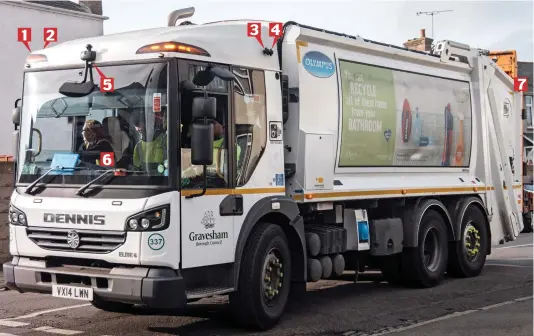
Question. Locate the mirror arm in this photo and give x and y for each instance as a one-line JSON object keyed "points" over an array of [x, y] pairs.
{"points": [[204, 187]]}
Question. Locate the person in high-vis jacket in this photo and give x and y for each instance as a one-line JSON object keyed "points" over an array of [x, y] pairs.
{"points": [[150, 152]]}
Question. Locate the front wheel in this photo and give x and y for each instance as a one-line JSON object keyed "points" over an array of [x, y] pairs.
{"points": [[264, 278]]}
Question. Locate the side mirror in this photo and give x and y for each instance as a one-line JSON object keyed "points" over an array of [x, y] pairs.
{"points": [[206, 76], [16, 138], [204, 108], [202, 144], [15, 117]]}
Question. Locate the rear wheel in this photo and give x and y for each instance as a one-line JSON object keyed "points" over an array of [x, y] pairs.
{"points": [[424, 265], [109, 306], [264, 279], [468, 255]]}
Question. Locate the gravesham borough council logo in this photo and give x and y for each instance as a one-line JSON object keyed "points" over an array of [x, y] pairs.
{"points": [[211, 237], [208, 220]]}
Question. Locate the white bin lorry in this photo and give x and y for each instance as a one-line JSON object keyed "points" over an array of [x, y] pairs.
{"points": [[249, 171]]}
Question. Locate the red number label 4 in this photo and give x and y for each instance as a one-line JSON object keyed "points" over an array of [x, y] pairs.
{"points": [[49, 35], [254, 30], [275, 30], [107, 84], [24, 35], [520, 84], [107, 159]]}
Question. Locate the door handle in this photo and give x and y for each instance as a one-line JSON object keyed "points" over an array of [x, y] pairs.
{"points": [[231, 205]]}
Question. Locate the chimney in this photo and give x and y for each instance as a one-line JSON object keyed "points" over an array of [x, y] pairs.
{"points": [[94, 5], [422, 43]]}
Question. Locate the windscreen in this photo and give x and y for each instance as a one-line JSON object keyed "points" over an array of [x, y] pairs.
{"points": [[121, 128]]}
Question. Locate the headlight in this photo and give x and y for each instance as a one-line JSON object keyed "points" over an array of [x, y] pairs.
{"points": [[155, 219], [17, 217]]}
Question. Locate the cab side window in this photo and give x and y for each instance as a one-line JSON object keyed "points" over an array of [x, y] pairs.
{"points": [[250, 119]]}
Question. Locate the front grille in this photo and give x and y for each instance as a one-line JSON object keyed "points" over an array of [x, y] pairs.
{"points": [[87, 240]]}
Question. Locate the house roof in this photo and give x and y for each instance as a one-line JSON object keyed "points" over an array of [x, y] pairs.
{"points": [[64, 4], [524, 69]]}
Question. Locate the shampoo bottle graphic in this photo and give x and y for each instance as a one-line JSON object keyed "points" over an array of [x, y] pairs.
{"points": [[460, 150], [417, 128], [406, 121], [447, 140]]}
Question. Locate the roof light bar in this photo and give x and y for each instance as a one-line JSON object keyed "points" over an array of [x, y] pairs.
{"points": [[36, 58], [172, 47]]}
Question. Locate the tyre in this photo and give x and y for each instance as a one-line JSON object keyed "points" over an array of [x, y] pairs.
{"points": [[425, 265], [468, 255], [110, 306], [527, 222], [264, 279]]}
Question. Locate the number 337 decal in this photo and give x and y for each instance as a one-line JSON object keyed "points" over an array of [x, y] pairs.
{"points": [[156, 241]]}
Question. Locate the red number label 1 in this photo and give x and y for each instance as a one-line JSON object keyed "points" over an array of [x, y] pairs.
{"points": [[49, 35], [520, 84], [107, 159], [254, 30], [107, 84], [275, 30], [24, 35]]}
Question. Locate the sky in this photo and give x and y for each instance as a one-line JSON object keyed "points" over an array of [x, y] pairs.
{"points": [[492, 25]]}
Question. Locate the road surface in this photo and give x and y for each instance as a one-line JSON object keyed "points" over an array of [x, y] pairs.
{"points": [[498, 302]]}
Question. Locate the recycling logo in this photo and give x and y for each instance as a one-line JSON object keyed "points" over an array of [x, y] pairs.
{"points": [[208, 220]]}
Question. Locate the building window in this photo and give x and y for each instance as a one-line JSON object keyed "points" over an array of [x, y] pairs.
{"points": [[528, 107]]}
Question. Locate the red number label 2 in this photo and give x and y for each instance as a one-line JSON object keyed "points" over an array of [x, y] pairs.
{"points": [[107, 84], [49, 35], [520, 84], [107, 159]]}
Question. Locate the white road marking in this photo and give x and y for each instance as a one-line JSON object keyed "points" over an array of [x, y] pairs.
{"points": [[48, 311], [453, 315], [514, 246], [53, 330], [12, 324], [4, 334], [507, 265]]}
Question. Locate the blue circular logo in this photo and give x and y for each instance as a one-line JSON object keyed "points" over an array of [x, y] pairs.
{"points": [[318, 64]]}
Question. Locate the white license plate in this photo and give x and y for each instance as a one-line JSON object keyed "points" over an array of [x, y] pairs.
{"points": [[72, 292]]}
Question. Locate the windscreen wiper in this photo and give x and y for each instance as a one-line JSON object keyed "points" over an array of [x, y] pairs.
{"points": [[34, 183], [105, 173]]}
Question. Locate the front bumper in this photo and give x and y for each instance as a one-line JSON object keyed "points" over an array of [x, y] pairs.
{"points": [[161, 288]]}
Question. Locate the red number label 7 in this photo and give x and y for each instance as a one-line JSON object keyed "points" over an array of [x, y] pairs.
{"points": [[520, 84]]}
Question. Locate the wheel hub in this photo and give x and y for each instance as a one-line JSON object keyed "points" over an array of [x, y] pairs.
{"points": [[272, 276], [471, 242]]}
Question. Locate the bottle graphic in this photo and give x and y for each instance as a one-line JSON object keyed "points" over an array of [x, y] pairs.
{"points": [[460, 149], [447, 140], [406, 121], [417, 128]]}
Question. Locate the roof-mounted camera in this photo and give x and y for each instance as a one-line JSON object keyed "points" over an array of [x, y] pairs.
{"points": [[88, 55]]}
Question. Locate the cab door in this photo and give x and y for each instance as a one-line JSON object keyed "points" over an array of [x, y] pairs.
{"points": [[207, 221]]}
